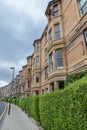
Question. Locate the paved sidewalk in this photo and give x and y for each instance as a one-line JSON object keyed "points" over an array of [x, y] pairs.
{"points": [[18, 120]]}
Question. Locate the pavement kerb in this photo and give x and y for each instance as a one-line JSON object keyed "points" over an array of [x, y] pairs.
{"points": [[3, 111]]}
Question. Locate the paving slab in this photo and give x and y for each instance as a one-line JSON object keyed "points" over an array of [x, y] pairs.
{"points": [[18, 120]]}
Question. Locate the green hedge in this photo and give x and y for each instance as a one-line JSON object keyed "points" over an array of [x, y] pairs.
{"points": [[64, 110], [80, 108], [30, 105], [76, 76], [61, 110], [33, 107]]}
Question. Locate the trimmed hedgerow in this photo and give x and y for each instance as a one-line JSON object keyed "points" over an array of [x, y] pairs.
{"points": [[80, 108], [64, 110], [30, 105], [33, 107], [76, 76], [61, 110]]}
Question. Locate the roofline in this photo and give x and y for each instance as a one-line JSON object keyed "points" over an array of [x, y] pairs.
{"points": [[36, 41], [24, 66], [20, 71], [49, 4], [29, 57]]}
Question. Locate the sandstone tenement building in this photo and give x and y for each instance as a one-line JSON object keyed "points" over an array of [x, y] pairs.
{"points": [[61, 50]]}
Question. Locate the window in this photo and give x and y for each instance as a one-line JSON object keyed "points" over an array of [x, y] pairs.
{"points": [[46, 73], [34, 63], [46, 54], [45, 37], [37, 47], [50, 62], [29, 61], [37, 77], [59, 59], [85, 36], [57, 31], [55, 10], [83, 6], [52, 87], [27, 94], [42, 91], [37, 61], [50, 35], [27, 84], [37, 92], [46, 90], [28, 71], [33, 78], [60, 84]]}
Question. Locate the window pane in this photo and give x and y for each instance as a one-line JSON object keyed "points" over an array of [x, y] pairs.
{"points": [[51, 86], [57, 30], [50, 35], [60, 62], [37, 77], [46, 37], [37, 61], [37, 74], [84, 8], [38, 47], [46, 72], [86, 35], [50, 62], [57, 35], [57, 27], [46, 90], [46, 54], [59, 53], [50, 58], [56, 10], [59, 59], [82, 2]]}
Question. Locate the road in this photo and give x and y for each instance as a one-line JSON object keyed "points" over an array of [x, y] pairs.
{"points": [[2, 107]]}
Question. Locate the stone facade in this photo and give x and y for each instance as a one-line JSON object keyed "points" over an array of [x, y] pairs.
{"points": [[61, 50]]}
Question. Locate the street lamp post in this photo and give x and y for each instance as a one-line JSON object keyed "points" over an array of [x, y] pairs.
{"points": [[13, 69]]}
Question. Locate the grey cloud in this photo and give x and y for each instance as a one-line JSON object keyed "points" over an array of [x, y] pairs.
{"points": [[5, 74], [17, 33]]}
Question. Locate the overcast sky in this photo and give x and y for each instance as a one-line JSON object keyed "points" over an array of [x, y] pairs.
{"points": [[21, 22]]}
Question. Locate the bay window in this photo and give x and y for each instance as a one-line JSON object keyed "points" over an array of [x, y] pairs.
{"points": [[55, 10], [59, 59], [50, 35], [57, 31], [46, 73], [51, 62], [37, 77], [37, 61]]}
